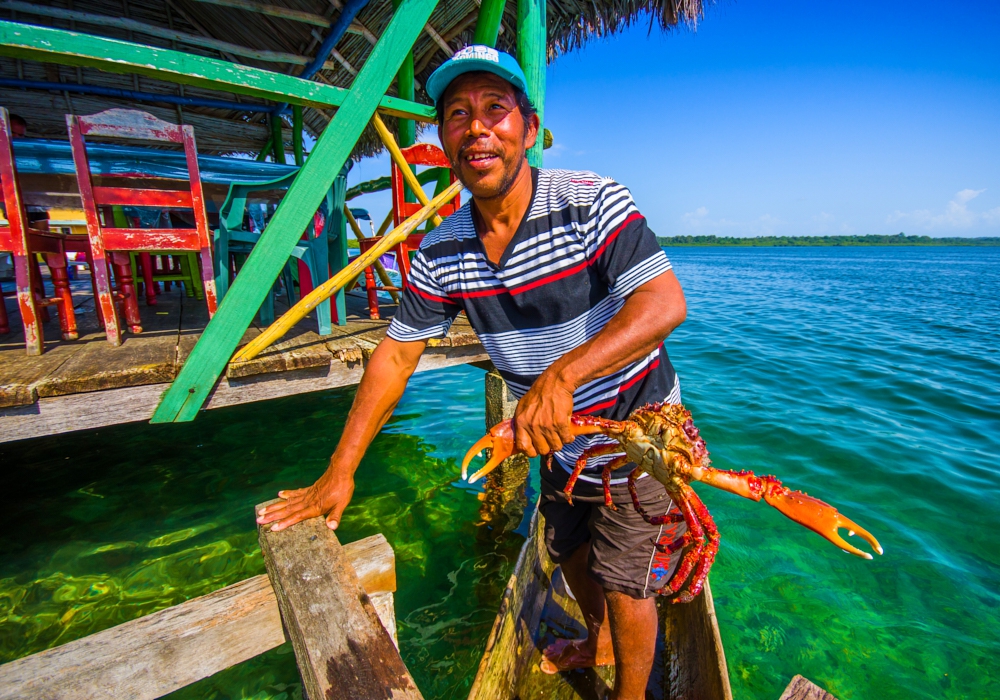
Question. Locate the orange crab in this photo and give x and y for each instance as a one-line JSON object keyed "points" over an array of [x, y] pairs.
{"points": [[664, 442]]}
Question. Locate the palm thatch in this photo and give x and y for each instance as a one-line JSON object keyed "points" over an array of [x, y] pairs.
{"points": [[277, 35]]}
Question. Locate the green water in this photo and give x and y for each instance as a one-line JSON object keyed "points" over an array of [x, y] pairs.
{"points": [[867, 377]]}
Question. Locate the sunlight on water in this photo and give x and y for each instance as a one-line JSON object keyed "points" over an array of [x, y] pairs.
{"points": [[866, 377]]}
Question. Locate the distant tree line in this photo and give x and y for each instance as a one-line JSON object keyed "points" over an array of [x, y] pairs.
{"points": [[780, 241]]}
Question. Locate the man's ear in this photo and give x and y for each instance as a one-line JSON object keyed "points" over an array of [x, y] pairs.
{"points": [[532, 136]]}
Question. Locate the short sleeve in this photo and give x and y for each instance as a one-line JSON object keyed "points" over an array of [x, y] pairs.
{"points": [[425, 310], [624, 249]]}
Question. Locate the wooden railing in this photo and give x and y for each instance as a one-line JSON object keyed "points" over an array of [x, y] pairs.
{"points": [[336, 603]]}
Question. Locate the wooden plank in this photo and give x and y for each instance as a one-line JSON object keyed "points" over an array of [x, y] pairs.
{"points": [[697, 661], [20, 373], [803, 689], [341, 648], [488, 22], [62, 414], [166, 650], [60, 46], [209, 358], [304, 351]]}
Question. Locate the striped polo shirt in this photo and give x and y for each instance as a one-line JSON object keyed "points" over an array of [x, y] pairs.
{"points": [[581, 250]]}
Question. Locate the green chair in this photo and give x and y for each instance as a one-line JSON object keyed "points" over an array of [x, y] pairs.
{"points": [[323, 247]]}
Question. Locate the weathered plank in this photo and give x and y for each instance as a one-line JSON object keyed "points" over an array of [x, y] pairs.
{"points": [[803, 689], [20, 373], [342, 649], [209, 358], [166, 650], [304, 351], [63, 414], [697, 662]]}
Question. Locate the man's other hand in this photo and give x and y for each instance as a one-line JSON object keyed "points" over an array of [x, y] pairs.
{"points": [[329, 496], [542, 418]]}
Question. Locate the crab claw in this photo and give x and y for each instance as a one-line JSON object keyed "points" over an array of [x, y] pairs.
{"points": [[500, 440], [821, 518]]}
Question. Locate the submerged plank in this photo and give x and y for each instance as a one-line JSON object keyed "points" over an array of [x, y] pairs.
{"points": [[341, 647], [803, 689], [166, 650]]}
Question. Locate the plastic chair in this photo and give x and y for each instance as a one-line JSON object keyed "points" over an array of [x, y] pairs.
{"points": [[114, 243], [24, 242], [322, 248], [418, 154]]}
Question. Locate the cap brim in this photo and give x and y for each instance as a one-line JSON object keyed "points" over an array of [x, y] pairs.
{"points": [[446, 74]]}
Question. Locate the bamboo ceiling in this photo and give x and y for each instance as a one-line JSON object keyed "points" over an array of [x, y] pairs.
{"points": [[277, 35]]}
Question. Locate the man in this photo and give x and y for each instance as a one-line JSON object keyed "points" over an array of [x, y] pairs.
{"points": [[572, 298]]}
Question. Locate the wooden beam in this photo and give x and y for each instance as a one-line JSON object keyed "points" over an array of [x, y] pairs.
{"points": [[153, 30], [488, 23], [59, 46], [439, 40], [341, 648], [532, 54], [273, 11], [400, 160], [169, 649], [209, 358]]}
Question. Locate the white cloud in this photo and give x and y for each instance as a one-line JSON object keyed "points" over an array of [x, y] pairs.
{"points": [[956, 215], [698, 222]]}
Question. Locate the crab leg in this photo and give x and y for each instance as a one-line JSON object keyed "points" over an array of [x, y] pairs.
{"points": [[651, 519], [708, 554], [581, 464], [696, 536], [817, 515]]}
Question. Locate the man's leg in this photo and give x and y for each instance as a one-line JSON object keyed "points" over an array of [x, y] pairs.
{"points": [[590, 596], [633, 634]]}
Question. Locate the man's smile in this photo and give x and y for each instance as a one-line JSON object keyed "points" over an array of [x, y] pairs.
{"points": [[480, 160]]}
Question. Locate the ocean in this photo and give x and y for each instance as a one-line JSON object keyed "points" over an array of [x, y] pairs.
{"points": [[867, 377]]}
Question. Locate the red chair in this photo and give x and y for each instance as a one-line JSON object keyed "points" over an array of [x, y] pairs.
{"points": [[25, 242], [418, 154], [108, 243]]}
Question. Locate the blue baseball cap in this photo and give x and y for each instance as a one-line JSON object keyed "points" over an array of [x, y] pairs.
{"points": [[476, 58]]}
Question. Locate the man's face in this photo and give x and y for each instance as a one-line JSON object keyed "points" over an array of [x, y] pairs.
{"points": [[484, 134]]}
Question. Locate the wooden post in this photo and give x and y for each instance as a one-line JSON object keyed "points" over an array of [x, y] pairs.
{"points": [[406, 90], [265, 151], [532, 52], [297, 134], [488, 22], [208, 359], [341, 648], [803, 689], [504, 502]]}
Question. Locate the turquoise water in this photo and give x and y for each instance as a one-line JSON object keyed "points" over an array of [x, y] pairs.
{"points": [[867, 377]]}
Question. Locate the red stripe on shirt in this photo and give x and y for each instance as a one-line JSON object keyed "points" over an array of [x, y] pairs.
{"points": [[626, 386]]}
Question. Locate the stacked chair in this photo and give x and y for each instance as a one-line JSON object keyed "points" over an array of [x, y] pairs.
{"points": [[112, 243], [418, 154], [26, 242]]}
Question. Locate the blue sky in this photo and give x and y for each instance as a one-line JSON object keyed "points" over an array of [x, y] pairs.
{"points": [[792, 118]]}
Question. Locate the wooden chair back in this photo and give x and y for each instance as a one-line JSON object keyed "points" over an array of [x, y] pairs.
{"points": [[127, 124], [418, 154]]}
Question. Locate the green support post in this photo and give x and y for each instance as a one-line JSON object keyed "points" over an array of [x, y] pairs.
{"points": [[406, 88], [488, 22], [277, 139], [265, 151], [532, 52], [210, 355], [63, 47], [297, 134]]}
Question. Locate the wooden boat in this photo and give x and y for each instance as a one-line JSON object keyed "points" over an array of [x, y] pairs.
{"points": [[535, 608]]}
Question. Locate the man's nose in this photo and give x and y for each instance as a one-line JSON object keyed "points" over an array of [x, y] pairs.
{"points": [[477, 128]]}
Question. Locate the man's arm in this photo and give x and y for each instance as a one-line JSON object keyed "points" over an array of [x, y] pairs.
{"points": [[381, 387], [648, 316]]}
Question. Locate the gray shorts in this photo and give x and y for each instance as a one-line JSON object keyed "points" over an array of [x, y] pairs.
{"points": [[627, 554]]}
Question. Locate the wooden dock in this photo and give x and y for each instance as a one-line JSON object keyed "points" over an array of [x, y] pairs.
{"points": [[86, 384]]}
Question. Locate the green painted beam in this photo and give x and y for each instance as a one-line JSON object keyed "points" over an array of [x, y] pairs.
{"points": [[297, 134], [488, 22], [49, 45], [210, 355], [265, 152], [532, 54], [277, 139]]}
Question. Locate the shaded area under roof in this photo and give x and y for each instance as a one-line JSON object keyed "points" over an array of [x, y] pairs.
{"points": [[277, 35]]}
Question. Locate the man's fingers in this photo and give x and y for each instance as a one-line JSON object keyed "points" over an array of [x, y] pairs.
{"points": [[295, 517]]}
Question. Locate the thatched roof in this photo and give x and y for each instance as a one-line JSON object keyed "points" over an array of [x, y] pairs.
{"points": [[198, 27]]}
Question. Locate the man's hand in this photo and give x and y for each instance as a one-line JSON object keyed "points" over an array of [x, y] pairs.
{"points": [[380, 389], [329, 496], [542, 416]]}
